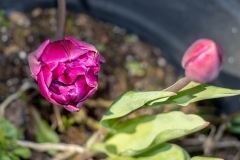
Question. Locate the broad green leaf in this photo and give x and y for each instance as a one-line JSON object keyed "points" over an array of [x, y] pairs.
{"points": [[129, 102], [138, 133], [4, 157], [7, 128], [195, 92], [205, 158], [22, 152], [13, 156], [8, 134], [44, 131], [163, 152]]}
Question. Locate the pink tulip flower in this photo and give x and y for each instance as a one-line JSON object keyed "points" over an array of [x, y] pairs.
{"points": [[66, 71], [202, 61]]}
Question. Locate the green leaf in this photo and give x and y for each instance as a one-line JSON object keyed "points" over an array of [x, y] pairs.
{"points": [[139, 133], [13, 156], [7, 128], [234, 125], [205, 158], [3, 156], [22, 152], [163, 152], [194, 92], [8, 134], [44, 131], [101, 47], [129, 102]]}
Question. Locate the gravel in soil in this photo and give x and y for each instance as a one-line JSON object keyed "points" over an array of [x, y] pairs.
{"points": [[131, 64]]}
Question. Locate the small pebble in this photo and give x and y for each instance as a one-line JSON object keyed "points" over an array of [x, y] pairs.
{"points": [[3, 29], [162, 62], [19, 18], [22, 55], [4, 38]]}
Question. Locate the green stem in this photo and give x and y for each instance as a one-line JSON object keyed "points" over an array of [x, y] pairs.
{"points": [[179, 85]]}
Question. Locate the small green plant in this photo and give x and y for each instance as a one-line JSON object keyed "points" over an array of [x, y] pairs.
{"points": [[2, 21], [9, 150]]}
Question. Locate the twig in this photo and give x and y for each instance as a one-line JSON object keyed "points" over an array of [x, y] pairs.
{"points": [[218, 145], [42, 147], [220, 132], [58, 117], [209, 143], [63, 155], [237, 156], [226, 144], [25, 86], [61, 16], [179, 85]]}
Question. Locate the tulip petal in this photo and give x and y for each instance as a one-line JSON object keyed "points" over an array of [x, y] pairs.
{"points": [[90, 93], [82, 88], [74, 72], [44, 89], [55, 52], [58, 71], [100, 58], [61, 98], [91, 78], [81, 44], [195, 50], [66, 79], [33, 59], [72, 108], [47, 74], [73, 50], [73, 94]]}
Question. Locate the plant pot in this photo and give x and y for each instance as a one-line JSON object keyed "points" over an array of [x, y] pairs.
{"points": [[171, 25]]}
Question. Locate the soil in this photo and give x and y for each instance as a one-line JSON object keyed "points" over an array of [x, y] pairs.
{"points": [[130, 64]]}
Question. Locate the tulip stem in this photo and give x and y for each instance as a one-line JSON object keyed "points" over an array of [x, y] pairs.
{"points": [[179, 85], [61, 16]]}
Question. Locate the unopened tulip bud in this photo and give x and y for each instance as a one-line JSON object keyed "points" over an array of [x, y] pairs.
{"points": [[66, 71], [202, 61]]}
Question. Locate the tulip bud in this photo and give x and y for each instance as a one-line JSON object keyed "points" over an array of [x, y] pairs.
{"points": [[202, 61], [66, 71]]}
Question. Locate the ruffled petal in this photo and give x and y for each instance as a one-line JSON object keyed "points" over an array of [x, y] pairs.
{"points": [[51, 66], [44, 89], [54, 87], [100, 58], [59, 70], [77, 63], [81, 44], [91, 78], [96, 69], [55, 52], [90, 93], [60, 98], [82, 88], [47, 75], [72, 108], [67, 79], [33, 59], [71, 74], [73, 51], [73, 94]]}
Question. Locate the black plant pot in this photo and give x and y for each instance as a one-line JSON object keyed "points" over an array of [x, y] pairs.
{"points": [[171, 25]]}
